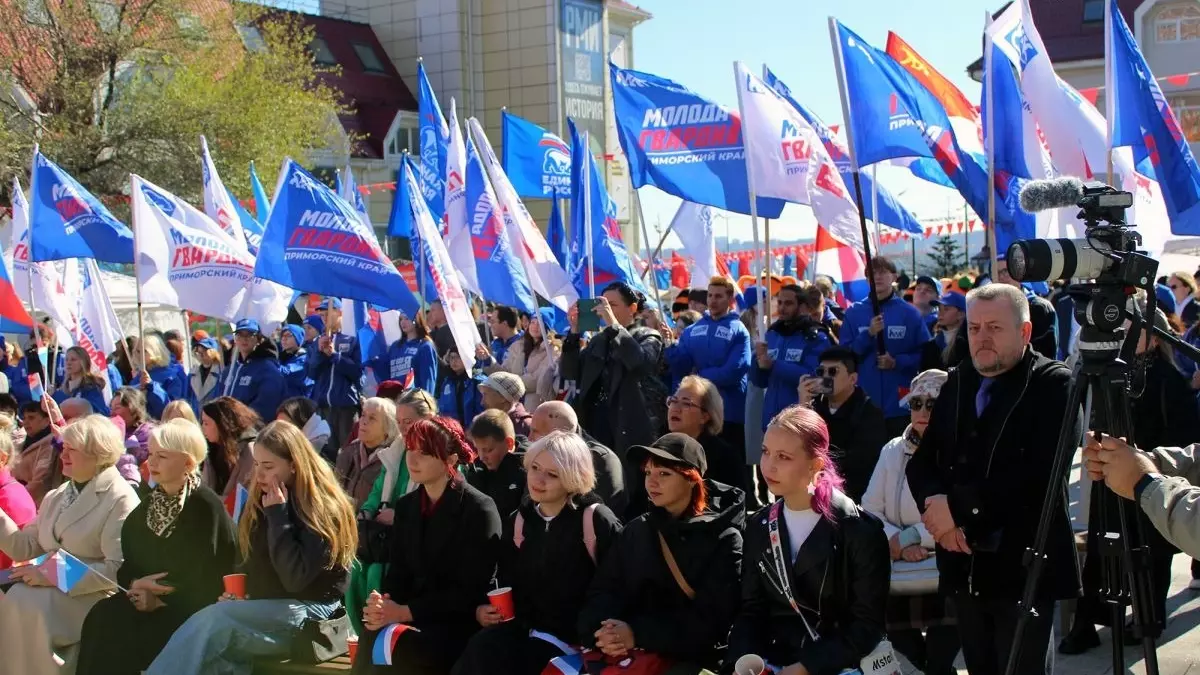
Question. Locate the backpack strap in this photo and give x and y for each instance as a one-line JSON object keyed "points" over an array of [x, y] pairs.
{"points": [[519, 530], [589, 530]]}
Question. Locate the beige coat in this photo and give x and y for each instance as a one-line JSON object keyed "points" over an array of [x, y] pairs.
{"points": [[541, 367], [90, 529]]}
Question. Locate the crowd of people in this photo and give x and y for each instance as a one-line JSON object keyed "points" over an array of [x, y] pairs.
{"points": [[674, 492]]}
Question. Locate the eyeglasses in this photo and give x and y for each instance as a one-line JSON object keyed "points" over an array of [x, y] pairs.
{"points": [[919, 404], [1173, 287], [827, 371], [674, 400]]}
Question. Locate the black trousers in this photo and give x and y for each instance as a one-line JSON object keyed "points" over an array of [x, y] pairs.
{"points": [[117, 639], [987, 627], [932, 653], [430, 652], [505, 649], [734, 433]]}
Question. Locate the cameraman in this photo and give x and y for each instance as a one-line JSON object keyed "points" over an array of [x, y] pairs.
{"points": [[980, 475], [1171, 503]]}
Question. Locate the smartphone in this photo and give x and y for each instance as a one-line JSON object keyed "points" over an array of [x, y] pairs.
{"points": [[827, 386], [36, 391], [588, 321]]}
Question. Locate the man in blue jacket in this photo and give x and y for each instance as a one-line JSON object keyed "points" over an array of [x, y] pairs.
{"points": [[253, 377], [337, 373], [926, 292], [717, 348], [792, 350], [885, 376]]}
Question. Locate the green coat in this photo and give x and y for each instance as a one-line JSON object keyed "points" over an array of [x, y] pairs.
{"points": [[367, 578]]}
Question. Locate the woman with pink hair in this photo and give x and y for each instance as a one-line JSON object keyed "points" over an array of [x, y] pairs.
{"points": [[815, 580]]}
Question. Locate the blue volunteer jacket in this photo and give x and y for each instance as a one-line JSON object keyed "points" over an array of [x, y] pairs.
{"points": [[796, 347], [90, 393], [256, 381], [460, 397], [294, 368], [499, 348], [717, 350], [337, 379], [166, 385], [904, 335], [416, 356], [18, 382]]}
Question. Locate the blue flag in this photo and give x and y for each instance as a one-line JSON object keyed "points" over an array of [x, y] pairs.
{"points": [[537, 162], [1142, 118], [316, 242], [67, 221], [400, 225], [435, 138], [262, 203], [612, 262], [891, 212], [1004, 114], [251, 227], [682, 143], [501, 275], [556, 236]]}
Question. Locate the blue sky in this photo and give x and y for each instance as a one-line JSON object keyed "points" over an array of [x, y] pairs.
{"points": [[695, 43]]}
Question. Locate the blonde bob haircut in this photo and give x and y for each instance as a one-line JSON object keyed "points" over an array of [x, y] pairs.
{"points": [[710, 401], [180, 435], [571, 454], [97, 437], [179, 409], [157, 355], [387, 408]]}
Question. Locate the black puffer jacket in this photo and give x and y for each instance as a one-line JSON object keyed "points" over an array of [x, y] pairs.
{"points": [[994, 470], [551, 572], [840, 581], [857, 435], [635, 585], [506, 485], [621, 399]]}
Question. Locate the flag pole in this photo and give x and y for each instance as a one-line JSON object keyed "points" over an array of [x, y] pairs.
{"points": [[990, 149], [37, 334], [637, 199], [840, 71], [587, 211], [663, 240], [1109, 99], [875, 205], [137, 277], [754, 207]]}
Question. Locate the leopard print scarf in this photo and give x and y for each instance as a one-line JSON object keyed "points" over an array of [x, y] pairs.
{"points": [[164, 509]]}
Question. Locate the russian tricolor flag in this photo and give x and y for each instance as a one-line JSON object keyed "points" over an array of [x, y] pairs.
{"points": [[844, 265], [235, 503], [569, 664], [64, 570], [385, 643]]}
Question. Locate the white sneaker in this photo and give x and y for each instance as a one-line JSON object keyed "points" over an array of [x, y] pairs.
{"points": [[1194, 585]]}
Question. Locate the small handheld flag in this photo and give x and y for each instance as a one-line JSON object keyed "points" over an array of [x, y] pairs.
{"points": [[36, 391], [385, 643], [235, 503], [65, 571]]}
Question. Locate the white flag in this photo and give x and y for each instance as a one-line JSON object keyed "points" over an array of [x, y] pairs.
{"points": [[186, 260], [455, 225], [217, 203], [788, 161], [97, 331], [450, 293], [48, 294], [547, 278], [693, 225]]}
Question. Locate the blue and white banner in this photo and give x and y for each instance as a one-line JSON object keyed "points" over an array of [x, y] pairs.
{"points": [[316, 243], [44, 292], [455, 226], [66, 221], [262, 203], [97, 331], [218, 203], [682, 143], [537, 162], [500, 274], [556, 236], [435, 137]]}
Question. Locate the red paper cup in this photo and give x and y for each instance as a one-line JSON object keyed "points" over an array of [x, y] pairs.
{"points": [[235, 585], [502, 600], [351, 647]]}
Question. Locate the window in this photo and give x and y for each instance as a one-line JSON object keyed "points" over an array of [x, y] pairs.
{"points": [[405, 135], [321, 53], [1188, 115], [368, 57], [251, 38], [1177, 24], [1093, 11], [36, 12], [108, 15]]}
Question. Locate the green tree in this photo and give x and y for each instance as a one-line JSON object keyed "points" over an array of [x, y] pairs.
{"points": [[945, 257], [113, 87]]}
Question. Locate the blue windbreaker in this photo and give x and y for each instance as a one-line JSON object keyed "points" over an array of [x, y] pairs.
{"points": [[404, 356], [460, 397], [256, 381], [904, 335], [337, 379], [166, 385], [294, 368], [89, 393], [796, 348], [499, 348], [717, 350]]}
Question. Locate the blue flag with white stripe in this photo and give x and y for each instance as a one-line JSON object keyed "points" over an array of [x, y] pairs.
{"points": [[67, 221], [538, 163]]}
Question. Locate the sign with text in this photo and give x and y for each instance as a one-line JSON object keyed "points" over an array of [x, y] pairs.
{"points": [[582, 59]]}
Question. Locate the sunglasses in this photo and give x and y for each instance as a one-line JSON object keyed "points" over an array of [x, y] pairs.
{"points": [[919, 404], [827, 371], [1173, 287], [673, 400]]}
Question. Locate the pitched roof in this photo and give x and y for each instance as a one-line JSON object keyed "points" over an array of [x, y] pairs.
{"points": [[630, 8]]}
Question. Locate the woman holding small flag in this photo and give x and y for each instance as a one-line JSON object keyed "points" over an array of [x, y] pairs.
{"points": [[79, 381], [445, 540], [158, 376], [297, 540], [413, 359], [78, 529], [178, 544]]}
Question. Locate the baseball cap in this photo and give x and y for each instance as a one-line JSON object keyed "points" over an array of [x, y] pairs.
{"points": [[506, 384], [676, 448], [207, 343], [248, 325], [930, 281], [955, 300], [329, 302]]}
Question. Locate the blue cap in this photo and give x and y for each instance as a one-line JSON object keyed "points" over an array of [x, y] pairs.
{"points": [[247, 324], [926, 279], [316, 322], [955, 300], [750, 296], [1165, 298], [330, 302], [207, 343]]}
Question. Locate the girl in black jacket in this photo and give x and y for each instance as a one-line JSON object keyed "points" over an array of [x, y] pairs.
{"points": [[177, 544], [444, 539], [670, 584], [813, 599], [548, 558], [298, 537]]}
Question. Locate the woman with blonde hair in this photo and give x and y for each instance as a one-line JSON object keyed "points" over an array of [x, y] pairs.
{"points": [[297, 540], [82, 517], [178, 544], [80, 382], [180, 410], [157, 377]]}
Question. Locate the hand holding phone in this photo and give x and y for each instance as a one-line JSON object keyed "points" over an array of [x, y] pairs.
{"points": [[588, 319]]}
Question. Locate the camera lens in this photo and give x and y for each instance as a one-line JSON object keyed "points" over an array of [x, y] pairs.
{"points": [[1047, 259]]}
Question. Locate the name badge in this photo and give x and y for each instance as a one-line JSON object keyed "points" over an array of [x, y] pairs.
{"points": [[723, 333], [699, 330], [897, 332], [794, 355], [244, 381]]}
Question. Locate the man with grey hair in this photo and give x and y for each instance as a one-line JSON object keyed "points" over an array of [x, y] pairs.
{"points": [[979, 477], [610, 478]]}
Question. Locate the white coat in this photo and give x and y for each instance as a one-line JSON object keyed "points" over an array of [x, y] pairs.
{"points": [[888, 496]]}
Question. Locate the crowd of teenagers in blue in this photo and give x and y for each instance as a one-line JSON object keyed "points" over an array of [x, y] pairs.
{"points": [[653, 497]]}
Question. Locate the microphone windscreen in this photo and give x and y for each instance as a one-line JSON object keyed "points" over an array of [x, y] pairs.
{"points": [[1058, 193]]}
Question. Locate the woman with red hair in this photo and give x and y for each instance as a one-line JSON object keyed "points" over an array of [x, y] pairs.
{"points": [[813, 597], [445, 540], [668, 588]]}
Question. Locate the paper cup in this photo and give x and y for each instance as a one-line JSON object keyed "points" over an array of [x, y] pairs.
{"points": [[235, 585], [351, 647], [750, 664], [502, 600]]}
